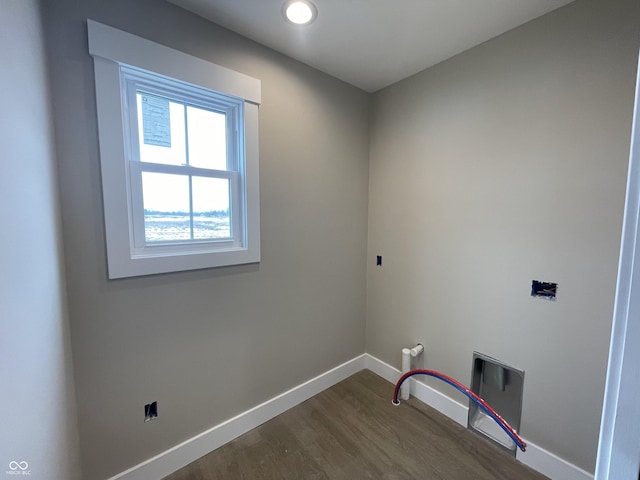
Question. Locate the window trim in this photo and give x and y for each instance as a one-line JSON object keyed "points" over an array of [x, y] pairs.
{"points": [[113, 49]]}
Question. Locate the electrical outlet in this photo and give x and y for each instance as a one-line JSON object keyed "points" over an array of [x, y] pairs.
{"points": [[150, 411], [545, 290]]}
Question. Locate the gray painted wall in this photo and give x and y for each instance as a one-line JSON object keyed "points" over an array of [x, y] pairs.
{"points": [[37, 404], [502, 165], [210, 344]]}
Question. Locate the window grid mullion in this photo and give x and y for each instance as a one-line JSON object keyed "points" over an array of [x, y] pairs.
{"points": [[186, 156], [183, 170], [191, 205], [186, 134]]}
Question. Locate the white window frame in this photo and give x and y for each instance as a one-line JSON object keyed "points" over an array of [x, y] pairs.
{"points": [[119, 58], [134, 80]]}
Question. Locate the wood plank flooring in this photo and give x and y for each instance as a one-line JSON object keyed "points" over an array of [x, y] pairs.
{"points": [[351, 431]]}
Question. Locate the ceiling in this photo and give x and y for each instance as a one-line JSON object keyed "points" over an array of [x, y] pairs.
{"points": [[373, 43]]}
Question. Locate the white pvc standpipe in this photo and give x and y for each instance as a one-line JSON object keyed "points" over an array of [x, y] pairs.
{"points": [[405, 389]]}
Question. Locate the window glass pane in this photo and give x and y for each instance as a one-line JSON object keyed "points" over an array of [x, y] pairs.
{"points": [[207, 138], [166, 207], [211, 208], [161, 134]]}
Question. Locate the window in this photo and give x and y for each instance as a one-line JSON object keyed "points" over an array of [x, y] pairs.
{"points": [[179, 157], [185, 165]]}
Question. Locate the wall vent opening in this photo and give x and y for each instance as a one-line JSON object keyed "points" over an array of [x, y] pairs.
{"points": [[501, 386]]}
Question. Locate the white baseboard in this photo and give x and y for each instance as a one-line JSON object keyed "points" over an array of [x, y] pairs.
{"points": [[535, 457], [550, 464], [183, 454]]}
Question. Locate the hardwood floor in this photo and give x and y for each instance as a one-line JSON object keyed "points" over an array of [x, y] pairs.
{"points": [[351, 431]]}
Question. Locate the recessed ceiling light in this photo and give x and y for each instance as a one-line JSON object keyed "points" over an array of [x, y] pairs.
{"points": [[300, 12]]}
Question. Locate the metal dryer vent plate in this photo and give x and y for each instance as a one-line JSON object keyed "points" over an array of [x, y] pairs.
{"points": [[501, 386]]}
